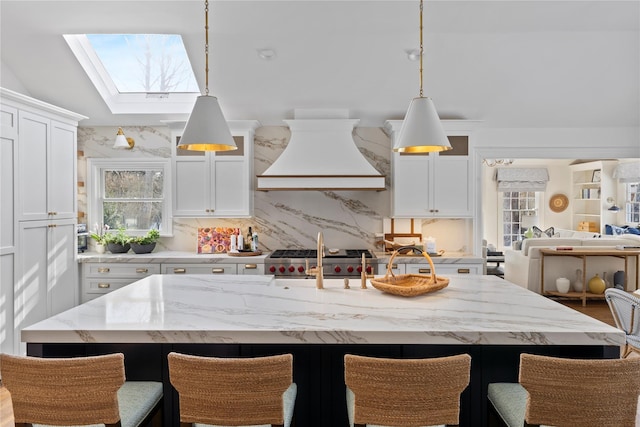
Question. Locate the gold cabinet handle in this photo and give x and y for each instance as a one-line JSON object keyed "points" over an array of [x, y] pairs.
{"points": [[104, 285], [393, 266], [251, 266], [424, 270], [217, 270], [464, 271], [103, 270], [142, 270], [179, 270]]}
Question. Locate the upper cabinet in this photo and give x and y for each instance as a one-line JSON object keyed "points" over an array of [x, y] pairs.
{"points": [[434, 184], [214, 184], [592, 184]]}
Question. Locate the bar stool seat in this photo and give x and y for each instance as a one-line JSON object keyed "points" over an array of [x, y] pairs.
{"points": [[405, 392], [78, 391]]}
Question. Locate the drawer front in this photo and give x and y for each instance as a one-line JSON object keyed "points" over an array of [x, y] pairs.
{"points": [[199, 269], [93, 287], [445, 269], [251, 268], [120, 270], [396, 268]]}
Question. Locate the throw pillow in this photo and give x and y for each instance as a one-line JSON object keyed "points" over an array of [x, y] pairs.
{"points": [[549, 232]]}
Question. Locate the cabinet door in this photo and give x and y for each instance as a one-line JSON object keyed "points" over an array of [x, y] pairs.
{"points": [[8, 165], [231, 188], [411, 186], [192, 187], [62, 288], [451, 195], [32, 170], [61, 172]]}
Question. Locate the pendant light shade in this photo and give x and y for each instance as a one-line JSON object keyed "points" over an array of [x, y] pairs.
{"points": [[207, 128], [421, 131]]}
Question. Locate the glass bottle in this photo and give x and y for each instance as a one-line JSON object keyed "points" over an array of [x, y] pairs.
{"points": [[248, 240], [577, 285]]}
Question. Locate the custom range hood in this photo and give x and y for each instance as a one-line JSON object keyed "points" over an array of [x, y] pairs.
{"points": [[321, 155]]}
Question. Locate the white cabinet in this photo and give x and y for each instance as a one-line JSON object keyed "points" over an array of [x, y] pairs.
{"points": [[47, 172], [38, 240], [433, 184], [8, 165], [214, 184], [592, 184], [217, 268], [46, 271], [101, 278]]}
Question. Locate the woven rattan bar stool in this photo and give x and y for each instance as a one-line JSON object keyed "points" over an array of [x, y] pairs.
{"points": [[405, 392], [626, 313], [569, 392], [78, 391], [234, 391]]}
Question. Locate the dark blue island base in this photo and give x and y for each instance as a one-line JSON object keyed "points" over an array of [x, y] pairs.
{"points": [[318, 370]]}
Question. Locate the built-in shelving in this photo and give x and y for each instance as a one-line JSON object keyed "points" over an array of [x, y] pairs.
{"points": [[592, 184]]}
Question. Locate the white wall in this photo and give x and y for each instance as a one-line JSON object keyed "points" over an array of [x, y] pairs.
{"points": [[9, 80]]}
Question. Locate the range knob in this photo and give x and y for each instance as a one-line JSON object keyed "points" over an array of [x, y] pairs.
{"points": [[369, 269], [291, 269], [272, 269], [359, 269], [282, 269], [301, 269], [350, 269], [337, 269]]}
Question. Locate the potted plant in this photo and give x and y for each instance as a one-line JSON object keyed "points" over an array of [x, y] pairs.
{"points": [[100, 236], [145, 244], [118, 242]]}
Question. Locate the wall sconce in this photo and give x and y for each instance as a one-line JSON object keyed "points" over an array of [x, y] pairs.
{"points": [[612, 202], [122, 141]]}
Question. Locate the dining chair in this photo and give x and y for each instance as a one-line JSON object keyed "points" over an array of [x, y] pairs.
{"points": [[234, 391], [625, 309], [569, 392], [78, 391], [405, 392]]}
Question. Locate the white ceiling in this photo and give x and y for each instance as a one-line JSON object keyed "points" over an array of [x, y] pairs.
{"points": [[508, 63]]}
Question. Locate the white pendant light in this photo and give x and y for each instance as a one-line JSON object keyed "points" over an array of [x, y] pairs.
{"points": [[207, 129], [122, 141], [421, 131]]}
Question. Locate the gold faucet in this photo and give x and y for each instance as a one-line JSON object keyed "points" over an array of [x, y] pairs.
{"points": [[317, 270]]}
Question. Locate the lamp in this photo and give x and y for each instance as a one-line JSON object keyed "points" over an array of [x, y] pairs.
{"points": [[122, 141], [528, 221], [421, 131], [612, 202], [207, 129]]}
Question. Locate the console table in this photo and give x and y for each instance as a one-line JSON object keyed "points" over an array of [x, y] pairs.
{"points": [[584, 254]]}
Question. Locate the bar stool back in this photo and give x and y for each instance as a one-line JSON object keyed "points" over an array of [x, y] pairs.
{"points": [[569, 392], [625, 309], [77, 391], [234, 391], [405, 392]]}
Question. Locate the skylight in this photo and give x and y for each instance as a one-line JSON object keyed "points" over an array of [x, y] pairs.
{"points": [[138, 73]]}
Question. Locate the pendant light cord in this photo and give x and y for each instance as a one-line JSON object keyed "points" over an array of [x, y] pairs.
{"points": [[421, 47], [206, 47]]}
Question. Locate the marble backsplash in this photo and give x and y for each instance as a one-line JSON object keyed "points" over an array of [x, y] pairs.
{"points": [[282, 219]]}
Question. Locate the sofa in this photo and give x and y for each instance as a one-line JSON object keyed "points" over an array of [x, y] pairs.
{"points": [[522, 266]]}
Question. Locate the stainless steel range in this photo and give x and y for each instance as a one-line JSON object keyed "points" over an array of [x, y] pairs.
{"points": [[336, 264]]}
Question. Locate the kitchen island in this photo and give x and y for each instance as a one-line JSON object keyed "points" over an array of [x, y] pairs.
{"points": [[487, 317]]}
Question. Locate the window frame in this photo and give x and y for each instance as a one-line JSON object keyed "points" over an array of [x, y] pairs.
{"points": [[538, 197], [628, 204], [95, 168]]}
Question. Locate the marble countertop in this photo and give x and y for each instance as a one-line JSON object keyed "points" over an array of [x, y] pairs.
{"points": [[194, 258], [261, 309]]}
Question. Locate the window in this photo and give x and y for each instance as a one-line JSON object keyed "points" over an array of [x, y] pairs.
{"points": [[138, 73], [632, 203], [516, 204], [133, 194]]}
